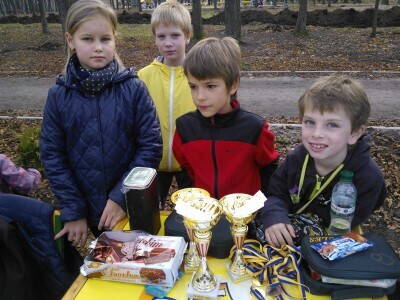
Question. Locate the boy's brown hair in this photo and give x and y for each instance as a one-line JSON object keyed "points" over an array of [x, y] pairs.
{"points": [[174, 13], [214, 58], [329, 93]]}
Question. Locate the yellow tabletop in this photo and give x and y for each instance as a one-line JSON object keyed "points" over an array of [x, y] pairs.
{"points": [[95, 289]]}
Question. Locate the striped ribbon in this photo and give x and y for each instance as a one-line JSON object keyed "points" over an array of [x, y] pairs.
{"points": [[273, 267]]}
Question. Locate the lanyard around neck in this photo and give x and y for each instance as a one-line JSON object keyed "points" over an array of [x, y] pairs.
{"points": [[317, 188]]}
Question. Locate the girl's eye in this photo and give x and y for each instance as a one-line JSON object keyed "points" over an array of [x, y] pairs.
{"points": [[106, 39], [308, 122], [160, 36], [332, 125], [176, 35], [192, 87], [211, 86], [87, 39]]}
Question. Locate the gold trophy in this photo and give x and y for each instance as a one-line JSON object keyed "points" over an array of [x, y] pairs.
{"points": [[237, 212], [201, 214], [192, 258]]}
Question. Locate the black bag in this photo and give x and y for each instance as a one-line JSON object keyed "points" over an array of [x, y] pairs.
{"points": [[221, 241], [377, 262]]}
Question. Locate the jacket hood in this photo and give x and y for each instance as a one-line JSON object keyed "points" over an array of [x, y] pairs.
{"points": [[159, 63], [358, 154]]}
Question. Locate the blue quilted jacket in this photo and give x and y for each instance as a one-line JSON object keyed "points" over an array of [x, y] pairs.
{"points": [[89, 143], [34, 219]]}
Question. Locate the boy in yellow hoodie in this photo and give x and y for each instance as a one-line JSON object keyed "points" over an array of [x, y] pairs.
{"points": [[168, 85]]}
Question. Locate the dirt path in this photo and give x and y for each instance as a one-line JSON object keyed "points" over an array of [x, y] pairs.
{"points": [[269, 97]]}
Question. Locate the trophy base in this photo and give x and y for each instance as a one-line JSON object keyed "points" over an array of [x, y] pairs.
{"points": [[194, 294], [235, 277]]}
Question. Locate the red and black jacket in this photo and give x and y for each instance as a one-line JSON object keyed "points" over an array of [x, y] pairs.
{"points": [[226, 153]]}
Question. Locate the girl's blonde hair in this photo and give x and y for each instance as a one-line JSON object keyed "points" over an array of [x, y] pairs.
{"points": [[174, 13], [84, 10]]}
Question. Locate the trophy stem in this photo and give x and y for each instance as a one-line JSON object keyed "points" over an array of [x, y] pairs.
{"points": [[203, 280], [237, 268], [192, 259]]}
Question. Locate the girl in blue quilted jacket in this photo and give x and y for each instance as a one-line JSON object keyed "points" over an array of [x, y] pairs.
{"points": [[99, 122]]}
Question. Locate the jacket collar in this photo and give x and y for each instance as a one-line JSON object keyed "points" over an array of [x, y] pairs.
{"points": [[69, 79], [159, 62]]}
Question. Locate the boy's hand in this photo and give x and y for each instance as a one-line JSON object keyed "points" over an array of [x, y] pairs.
{"points": [[112, 214], [280, 234], [77, 232]]}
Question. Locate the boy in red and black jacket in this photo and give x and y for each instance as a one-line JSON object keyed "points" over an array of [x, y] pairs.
{"points": [[224, 148]]}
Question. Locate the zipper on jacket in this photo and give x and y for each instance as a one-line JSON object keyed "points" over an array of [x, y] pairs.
{"points": [[101, 144], [214, 158], [171, 116]]}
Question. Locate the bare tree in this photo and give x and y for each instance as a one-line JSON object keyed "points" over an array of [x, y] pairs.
{"points": [[14, 7], [2, 9], [233, 21], [196, 20], [63, 6], [375, 19], [45, 28], [302, 18]]}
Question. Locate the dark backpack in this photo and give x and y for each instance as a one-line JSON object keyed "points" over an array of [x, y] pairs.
{"points": [[20, 272]]}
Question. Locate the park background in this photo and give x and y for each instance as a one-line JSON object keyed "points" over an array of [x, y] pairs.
{"points": [[353, 37]]}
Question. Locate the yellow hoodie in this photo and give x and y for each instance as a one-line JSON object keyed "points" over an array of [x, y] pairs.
{"points": [[169, 88]]}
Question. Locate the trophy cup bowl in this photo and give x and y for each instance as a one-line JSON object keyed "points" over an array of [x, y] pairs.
{"points": [[239, 218], [208, 213], [192, 258]]}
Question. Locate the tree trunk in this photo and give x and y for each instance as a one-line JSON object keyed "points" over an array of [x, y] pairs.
{"points": [[302, 18], [62, 9], [2, 9], [232, 19], [32, 7], [385, 2], [375, 19], [216, 4], [196, 20], [13, 7], [45, 28]]}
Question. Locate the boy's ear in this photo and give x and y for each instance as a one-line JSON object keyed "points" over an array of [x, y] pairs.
{"points": [[234, 87], [356, 134]]}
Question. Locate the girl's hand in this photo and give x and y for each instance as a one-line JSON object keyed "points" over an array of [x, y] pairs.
{"points": [[280, 234], [112, 214], [77, 232]]}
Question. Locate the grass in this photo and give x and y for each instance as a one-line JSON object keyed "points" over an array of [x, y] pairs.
{"points": [[30, 35]]}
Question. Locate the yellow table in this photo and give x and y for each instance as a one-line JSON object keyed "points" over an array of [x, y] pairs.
{"points": [[95, 289]]}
